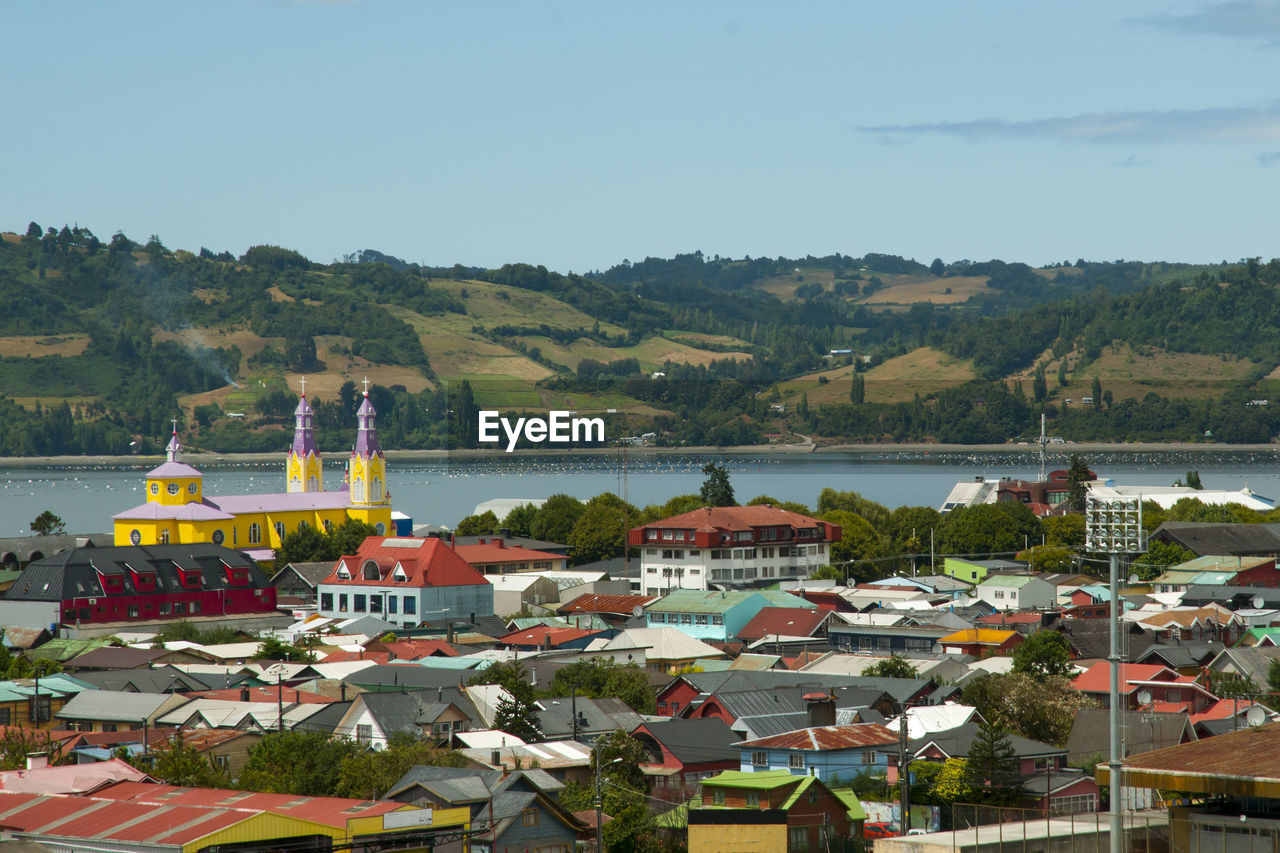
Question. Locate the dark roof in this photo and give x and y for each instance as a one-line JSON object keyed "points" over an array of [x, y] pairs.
{"points": [[1144, 731], [116, 657], [784, 621], [74, 573], [788, 700], [164, 679], [1184, 655], [1221, 539], [899, 689], [1251, 661], [326, 719], [407, 676], [24, 548], [555, 720], [401, 712], [693, 741], [1091, 638], [309, 573], [1037, 783], [514, 541]]}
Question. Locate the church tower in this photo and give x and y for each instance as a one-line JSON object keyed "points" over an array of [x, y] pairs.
{"points": [[303, 469], [367, 470], [174, 483]]}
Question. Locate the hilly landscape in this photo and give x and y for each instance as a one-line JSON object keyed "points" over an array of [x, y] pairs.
{"points": [[106, 342]]}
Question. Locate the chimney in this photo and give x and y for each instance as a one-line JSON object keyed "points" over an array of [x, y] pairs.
{"points": [[343, 688], [498, 542], [495, 758], [439, 693], [36, 760], [821, 708], [244, 694], [504, 532]]}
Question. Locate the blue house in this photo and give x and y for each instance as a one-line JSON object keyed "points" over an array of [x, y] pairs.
{"points": [[827, 752], [714, 615]]}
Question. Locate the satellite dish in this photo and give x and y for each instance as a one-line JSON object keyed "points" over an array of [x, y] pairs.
{"points": [[1255, 716], [1144, 697], [1133, 579], [1257, 602], [637, 611]]}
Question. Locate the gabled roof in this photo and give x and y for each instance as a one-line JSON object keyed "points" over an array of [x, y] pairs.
{"points": [[117, 706], [311, 573], [622, 605], [1097, 678], [692, 741], [116, 657], [735, 518], [425, 563], [956, 743], [1007, 581], [661, 644], [982, 636], [784, 621], [1221, 539], [826, 738], [497, 551]]}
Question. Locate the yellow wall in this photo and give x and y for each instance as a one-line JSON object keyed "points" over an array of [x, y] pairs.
{"points": [[265, 826], [721, 838]]}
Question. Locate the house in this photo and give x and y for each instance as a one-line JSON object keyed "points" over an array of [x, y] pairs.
{"points": [[1017, 592], [24, 700], [374, 718], [615, 610], [1251, 662], [522, 593], [955, 742], [933, 585], [124, 657], [297, 583], [514, 812], [1060, 792], [102, 587], [825, 752], [934, 666], [680, 753], [1210, 623], [785, 622], [771, 812], [402, 580], [1227, 538], [582, 718], [1149, 685], [495, 556], [976, 571], [885, 633], [665, 650], [716, 616], [981, 642], [730, 545], [111, 710], [565, 760]]}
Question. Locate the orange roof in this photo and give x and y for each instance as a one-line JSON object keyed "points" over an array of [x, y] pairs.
{"points": [[1097, 678], [418, 649], [735, 518], [542, 634], [592, 603], [270, 694], [493, 553], [985, 636], [426, 562]]}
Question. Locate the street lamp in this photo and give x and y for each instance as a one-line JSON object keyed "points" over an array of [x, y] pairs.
{"points": [[599, 801], [1113, 526]]}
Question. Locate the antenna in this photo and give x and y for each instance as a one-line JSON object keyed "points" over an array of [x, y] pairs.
{"points": [[1043, 442]]}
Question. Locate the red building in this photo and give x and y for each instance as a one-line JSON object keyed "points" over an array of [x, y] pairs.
{"points": [[1048, 497], [85, 586], [681, 753], [1162, 688]]}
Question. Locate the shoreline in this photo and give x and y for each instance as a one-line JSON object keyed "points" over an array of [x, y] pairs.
{"points": [[11, 462]]}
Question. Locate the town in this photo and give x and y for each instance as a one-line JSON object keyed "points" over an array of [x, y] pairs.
{"points": [[730, 679]]}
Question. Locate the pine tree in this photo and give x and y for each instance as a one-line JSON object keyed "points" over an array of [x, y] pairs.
{"points": [[993, 764]]}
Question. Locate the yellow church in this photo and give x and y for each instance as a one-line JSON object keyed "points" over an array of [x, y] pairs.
{"points": [[177, 510]]}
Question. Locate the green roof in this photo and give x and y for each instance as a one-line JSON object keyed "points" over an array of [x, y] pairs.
{"points": [[800, 789], [1258, 634], [1213, 563], [62, 649], [677, 818], [850, 799], [765, 780]]}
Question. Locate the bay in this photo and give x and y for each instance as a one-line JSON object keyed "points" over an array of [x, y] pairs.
{"points": [[444, 491]]}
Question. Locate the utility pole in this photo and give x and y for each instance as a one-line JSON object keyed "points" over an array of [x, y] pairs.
{"points": [[904, 774], [599, 804]]}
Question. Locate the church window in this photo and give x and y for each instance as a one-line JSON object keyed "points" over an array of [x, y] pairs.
{"points": [[192, 488], [370, 570], [280, 530], [174, 488], [328, 525], [255, 534], [313, 484], [375, 490], [357, 491], [380, 529], [164, 537], [218, 537], [302, 525], [155, 488], [295, 484]]}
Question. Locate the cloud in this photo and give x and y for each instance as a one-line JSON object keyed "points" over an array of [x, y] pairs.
{"points": [[1216, 125], [1270, 158], [1254, 20]]}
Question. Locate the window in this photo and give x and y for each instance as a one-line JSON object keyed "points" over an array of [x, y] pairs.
{"points": [[279, 525], [358, 602], [342, 601], [392, 603], [716, 620], [326, 601], [179, 607], [1173, 696], [686, 618], [795, 761], [375, 604], [529, 817], [43, 709], [195, 607], [174, 488], [753, 798], [255, 533], [164, 608], [155, 488], [759, 759], [133, 611], [164, 537], [798, 838], [364, 732], [4, 717], [328, 526], [410, 605], [868, 757], [701, 619], [717, 796]]}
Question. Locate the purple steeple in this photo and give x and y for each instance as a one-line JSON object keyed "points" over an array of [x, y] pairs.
{"points": [[304, 439], [174, 447], [366, 432]]}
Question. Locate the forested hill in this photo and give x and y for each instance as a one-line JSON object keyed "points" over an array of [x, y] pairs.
{"points": [[104, 342]]}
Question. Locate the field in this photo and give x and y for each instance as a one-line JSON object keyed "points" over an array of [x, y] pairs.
{"points": [[42, 345], [922, 371], [491, 305], [897, 290], [1127, 372]]}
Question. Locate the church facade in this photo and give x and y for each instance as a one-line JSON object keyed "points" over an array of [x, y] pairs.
{"points": [[177, 511]]}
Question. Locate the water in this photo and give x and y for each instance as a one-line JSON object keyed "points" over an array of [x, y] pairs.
{"points": [[443, 492]]}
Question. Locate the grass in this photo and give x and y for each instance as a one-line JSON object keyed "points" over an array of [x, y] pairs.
{"points": [[1127, 372], [490, 305], [922, 371], [42, 345]]}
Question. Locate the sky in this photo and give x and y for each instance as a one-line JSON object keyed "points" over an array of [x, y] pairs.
{"points": [[579, 134]]}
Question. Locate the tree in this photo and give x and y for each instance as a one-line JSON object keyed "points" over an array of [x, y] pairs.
{"points": [[47, 524], [1039, 385], [858, 542], [1097, 394], [555, 519], [1045, 653], [294, 762], [518, 519], [1193, 480], [1049, 558], [1042, 710], [275, 649], [1273, 676], [17, 743], [988, 529], [1159, 556], [716, 490], [993, 765], [477, 525], [937, 268], [598, 678], [517, 711], [891, 667], [176, 762], [1066, 531], [369, 774], [619, 757], [601, 530], [1078, 478], [858, 389], [789, 506]]}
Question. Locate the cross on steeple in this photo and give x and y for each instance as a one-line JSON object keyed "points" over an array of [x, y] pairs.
{"points": [[303, 383], [175, 426], [366, 386]]}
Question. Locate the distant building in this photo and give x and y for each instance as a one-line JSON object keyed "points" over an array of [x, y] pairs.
{"points": [[773, 812]]}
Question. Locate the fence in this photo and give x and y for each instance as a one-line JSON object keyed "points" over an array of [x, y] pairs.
{"points": [[1001, 829]]}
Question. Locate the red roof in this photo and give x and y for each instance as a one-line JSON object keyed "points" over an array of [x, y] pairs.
{"points": [[1097, 678], [821, 738], [783, 621], [735, 518], [425, 562], [590, 602], [97, 818], [497, 552], [332, 811], [541, 635], [418, 649]]}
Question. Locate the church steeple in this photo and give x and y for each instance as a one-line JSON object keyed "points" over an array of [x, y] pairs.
{"points": [[367, 471], [304, 471], [173, 449]]}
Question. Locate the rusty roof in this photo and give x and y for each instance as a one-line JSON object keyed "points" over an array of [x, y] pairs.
{"points": [[821, 738], [331, 811], [1244, 763], [621, 604]]}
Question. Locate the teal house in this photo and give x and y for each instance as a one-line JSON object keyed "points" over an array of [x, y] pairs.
{"points": [[716, 615]]}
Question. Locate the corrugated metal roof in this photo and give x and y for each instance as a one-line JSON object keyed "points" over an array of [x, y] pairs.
{"points": [[822, 738], [116, 705]]}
